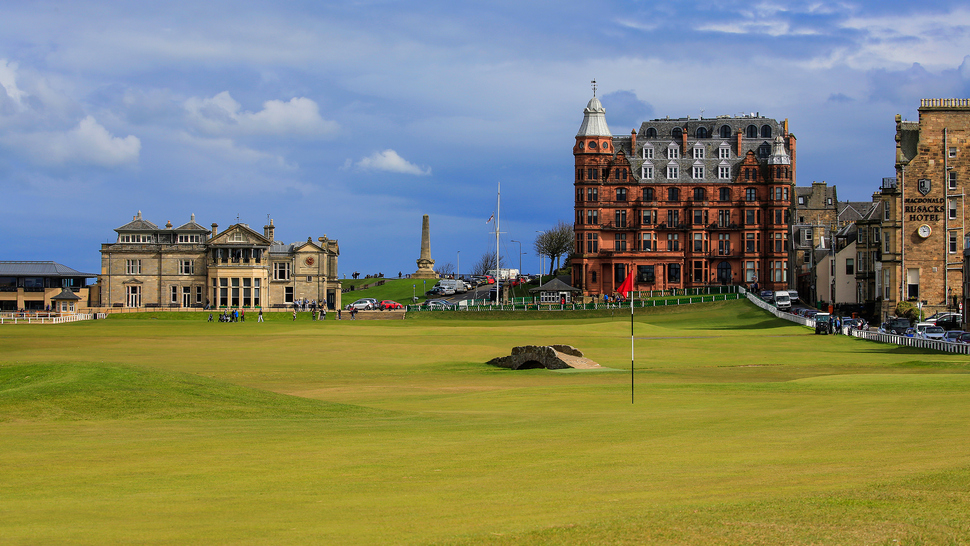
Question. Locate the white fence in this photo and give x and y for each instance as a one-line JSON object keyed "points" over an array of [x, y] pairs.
{"points": [[895, 339], [27, 318]]}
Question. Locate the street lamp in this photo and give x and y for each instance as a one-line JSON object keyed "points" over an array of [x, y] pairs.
{"points": [[540, 261], [414, 296], [458, 267], [520, 254]]}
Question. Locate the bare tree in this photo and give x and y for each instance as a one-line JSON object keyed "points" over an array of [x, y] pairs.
{"points": [[486, 263], [555, 243], [444, 270]]}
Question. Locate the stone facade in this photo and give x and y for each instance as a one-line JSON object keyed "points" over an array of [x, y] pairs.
{"points": [[191, 266], [927, 220], [686, 203]]}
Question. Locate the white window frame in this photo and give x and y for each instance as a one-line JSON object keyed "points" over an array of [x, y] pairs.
{"points": [[952, 152], [673, 172], [133, 267], [186, 267], [697, 172], [951, 180], [281, 271], [724, 152], [646, 172], [648, 151], [673, 152], [951, 208], [698, 152], [237, 237], [953, 245], [723, 172]]}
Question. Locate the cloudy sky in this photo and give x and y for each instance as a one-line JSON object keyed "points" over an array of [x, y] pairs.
{"points": [[353, 119]]}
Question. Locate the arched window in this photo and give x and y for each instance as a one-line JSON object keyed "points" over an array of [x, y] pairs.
{"points": [[751, 131], [766, 131], [581, 145], [651, 132], [725, 131], [724, 273], [702, 132], [677, 132]]}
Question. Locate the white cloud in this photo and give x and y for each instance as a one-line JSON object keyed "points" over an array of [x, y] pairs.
{"points": [[87, 144], [221, 114], [8, 80], [389, 161]]}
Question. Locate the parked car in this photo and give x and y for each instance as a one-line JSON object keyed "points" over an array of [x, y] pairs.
{"points": [[440, 291], [767, 295], [810, 313], [928, 330], [436, 304], [793, 296], [389, 304], [952, 335], [963, 338], [909, 332], [363, 304], [895, 325]]}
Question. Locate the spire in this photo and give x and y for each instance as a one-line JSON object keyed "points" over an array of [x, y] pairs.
{"points": [[594, 118], [779, 156]]}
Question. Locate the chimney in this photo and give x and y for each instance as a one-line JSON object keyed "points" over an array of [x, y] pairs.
{"points": [[215, 229], [739, 143], [269, 231], [633, 141], [683, 141]]}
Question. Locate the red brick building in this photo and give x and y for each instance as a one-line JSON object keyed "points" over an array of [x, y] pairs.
{"points": [[686, 203]]}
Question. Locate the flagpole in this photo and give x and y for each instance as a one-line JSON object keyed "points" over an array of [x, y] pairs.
{"points": [[631, 341]]}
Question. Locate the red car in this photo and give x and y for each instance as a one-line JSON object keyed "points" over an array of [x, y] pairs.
{"points": [[389, 304]]}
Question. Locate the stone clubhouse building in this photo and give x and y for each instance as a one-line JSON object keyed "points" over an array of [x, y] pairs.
{"points": [[190, 266]]}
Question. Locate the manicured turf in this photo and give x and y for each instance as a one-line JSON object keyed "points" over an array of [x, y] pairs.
{"points": [[744, 430]]}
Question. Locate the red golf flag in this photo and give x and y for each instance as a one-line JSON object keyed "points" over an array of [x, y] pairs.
{"points": [[627, 286]]}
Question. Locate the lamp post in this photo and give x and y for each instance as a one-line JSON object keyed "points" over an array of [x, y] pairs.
{"points": [[414, 296], [458, 267], [540, 261], [520, 254]]}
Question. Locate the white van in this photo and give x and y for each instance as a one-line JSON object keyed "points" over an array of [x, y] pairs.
{"points": [[454, 284], [782, 300]]}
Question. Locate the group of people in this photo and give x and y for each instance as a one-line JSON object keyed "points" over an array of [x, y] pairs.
{"points": [[235, 315], [318, 313]]}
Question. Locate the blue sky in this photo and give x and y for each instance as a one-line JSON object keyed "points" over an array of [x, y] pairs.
{"points": [[352, 119]]}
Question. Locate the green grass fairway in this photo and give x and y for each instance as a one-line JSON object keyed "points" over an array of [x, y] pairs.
{"points": [[161, 429]]}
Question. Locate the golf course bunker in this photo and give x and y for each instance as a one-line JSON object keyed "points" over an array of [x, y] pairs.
{"points": [[552, 357]]}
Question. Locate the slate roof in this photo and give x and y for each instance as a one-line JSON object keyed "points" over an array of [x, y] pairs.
{"points": [[555, 285], [191, 226], [40, 269], [66, 294], [850, 211], [138, 224]]}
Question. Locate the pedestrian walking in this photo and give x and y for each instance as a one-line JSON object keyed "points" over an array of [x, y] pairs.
{"points": [[294, 313], [323, 312], [338, 314], [260, 319], [242, 316]]}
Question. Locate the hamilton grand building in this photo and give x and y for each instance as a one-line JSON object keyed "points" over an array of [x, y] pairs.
{"points": [[685, 203], [191, 266]]}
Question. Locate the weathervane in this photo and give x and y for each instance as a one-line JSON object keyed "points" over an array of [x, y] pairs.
{"points": [[593, 83]]}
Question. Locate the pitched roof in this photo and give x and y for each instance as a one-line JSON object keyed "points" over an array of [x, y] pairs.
{"points": [[555, 285], [138, 224], [191, 226], [66, 294], [40, 269]]}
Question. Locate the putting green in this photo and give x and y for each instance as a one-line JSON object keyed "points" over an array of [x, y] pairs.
{"points": [[744, 430]]}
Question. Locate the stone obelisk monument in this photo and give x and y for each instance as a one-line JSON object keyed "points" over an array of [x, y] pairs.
{"points": [[425, 263]]}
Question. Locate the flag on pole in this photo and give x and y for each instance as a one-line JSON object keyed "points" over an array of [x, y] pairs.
{"points": [[627, 285], [490, 218]]}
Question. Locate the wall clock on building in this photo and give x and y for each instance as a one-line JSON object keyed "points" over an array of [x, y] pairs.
{"points": [[924, 231], [308, 260]]}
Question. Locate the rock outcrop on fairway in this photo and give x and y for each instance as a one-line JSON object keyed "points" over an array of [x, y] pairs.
{"points": [[553, 357]]}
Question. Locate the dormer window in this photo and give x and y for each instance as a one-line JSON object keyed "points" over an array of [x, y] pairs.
{"points": [[673, 152], [135, 238], [699, 152], [648, 152], [189, 239], [724, 151]]}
